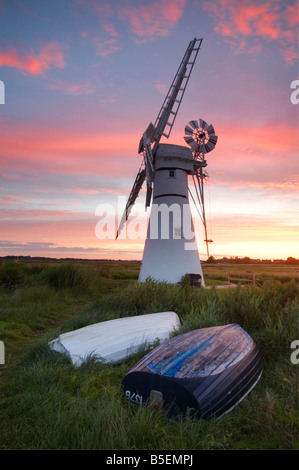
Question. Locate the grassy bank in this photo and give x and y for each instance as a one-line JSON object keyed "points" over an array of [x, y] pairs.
{"points": [[46, 403]]}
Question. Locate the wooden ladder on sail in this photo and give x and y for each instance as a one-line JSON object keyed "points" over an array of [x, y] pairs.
{"points": [[172, 102]]}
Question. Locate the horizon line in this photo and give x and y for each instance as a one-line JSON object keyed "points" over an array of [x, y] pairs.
{"points": [[231, 258]]}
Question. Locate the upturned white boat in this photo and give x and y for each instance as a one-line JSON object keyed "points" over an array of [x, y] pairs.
{"points": [[115, 340]]}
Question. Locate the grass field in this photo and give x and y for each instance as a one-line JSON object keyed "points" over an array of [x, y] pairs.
{"points": [[46, 403], [262, 272]]}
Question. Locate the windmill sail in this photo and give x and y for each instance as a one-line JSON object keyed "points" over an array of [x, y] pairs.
{"points": [[172, 102], [132, 198]]}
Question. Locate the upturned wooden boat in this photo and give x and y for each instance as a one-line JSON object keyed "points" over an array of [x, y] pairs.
{"points": [[206, 371]]}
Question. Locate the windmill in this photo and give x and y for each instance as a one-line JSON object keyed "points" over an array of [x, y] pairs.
{"points": [[168, 252]]}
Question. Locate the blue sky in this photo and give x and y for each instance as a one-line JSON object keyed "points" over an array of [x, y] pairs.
{"points": [[83, 79]]}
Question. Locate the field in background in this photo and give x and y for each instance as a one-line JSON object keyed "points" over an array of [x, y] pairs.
{"points": [[129, 270], [46, 403], [219, 272]]}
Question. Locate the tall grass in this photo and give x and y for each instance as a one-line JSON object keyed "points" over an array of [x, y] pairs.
{"points": [[11, 275], [46, 403], [65, 276]]}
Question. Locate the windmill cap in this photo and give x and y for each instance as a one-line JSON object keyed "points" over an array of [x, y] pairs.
{"points": [[174, 156], [174, 151]]}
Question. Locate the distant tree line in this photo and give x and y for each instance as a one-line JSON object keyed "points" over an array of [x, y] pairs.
{"points": [[211, 259], [247, 260]]}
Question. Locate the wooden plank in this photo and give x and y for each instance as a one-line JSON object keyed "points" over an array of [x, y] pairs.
{"points": [[241, 278]]}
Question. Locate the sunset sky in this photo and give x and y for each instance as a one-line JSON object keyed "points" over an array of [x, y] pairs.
{"points": [[84, 78]]}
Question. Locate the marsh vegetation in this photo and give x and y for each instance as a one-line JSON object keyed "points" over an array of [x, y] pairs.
{"points": [[46, 403]]}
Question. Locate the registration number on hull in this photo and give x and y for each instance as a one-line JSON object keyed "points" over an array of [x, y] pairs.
{"points": [[133, 397]]}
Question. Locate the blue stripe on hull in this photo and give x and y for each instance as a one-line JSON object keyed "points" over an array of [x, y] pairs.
{"points": [[183, 355]]}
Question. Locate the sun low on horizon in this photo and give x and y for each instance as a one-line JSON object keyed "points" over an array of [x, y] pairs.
{"points": [[81, 80]]}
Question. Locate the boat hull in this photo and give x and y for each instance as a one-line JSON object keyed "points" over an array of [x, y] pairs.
{"points": [[204, 372], [115, 340]]}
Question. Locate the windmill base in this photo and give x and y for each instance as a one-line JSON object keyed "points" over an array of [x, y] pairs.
{"points": [[168, 261]]}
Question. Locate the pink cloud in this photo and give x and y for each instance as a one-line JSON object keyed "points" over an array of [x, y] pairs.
{"points": [[84, 88], [66, 151], [105, 14], [41, 214], [269, 20], [256, 157], [291, 14], [12, 199], [146, 21], [85, 191], [51, 55], [84, 34], [289, 186], [161, 87], [154, 19], [104, 46], [245, 156], [116, 191]]}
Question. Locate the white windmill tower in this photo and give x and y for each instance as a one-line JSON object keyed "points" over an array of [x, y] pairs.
{"points": [[170, 249]]}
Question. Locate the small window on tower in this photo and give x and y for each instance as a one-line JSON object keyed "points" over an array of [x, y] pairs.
{"points": [[177, 232], [171, 173]]}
